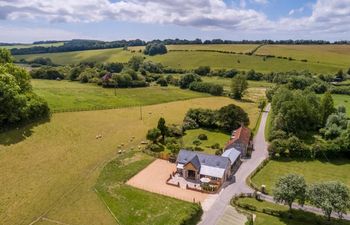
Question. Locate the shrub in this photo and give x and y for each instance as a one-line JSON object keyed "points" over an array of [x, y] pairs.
{"points": [[155, 49], [215, 146], [197, 142], [174, 131], [202, 137], [187, 79], [202, 70], [213, 89], [156, 147], [162, 82], [218, 152]]}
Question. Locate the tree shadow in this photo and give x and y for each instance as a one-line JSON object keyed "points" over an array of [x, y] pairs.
{"points": [[17, 134]]}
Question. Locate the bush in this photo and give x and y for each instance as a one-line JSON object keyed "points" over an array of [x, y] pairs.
{"points": [[156, 147], [49, 73], [187, 79], [162, 82], [202, 137], [202, 70], [218, 152], [215, 146], [197, 142], [174, 131], [213, 89], [155, 49]]}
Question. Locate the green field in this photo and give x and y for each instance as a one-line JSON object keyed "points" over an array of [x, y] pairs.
{"points": [[104, 55], [238, 48], [67, 95], [194, 59], [213, 138], [300, 217], [52, 167], [134, 206], [321, 54], [342, 100], [31, 45], [313, 171]]}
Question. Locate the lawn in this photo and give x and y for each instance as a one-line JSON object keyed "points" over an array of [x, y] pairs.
{"points": [[134, 206], [213, 138], [321, 54], [193, 59], [313, 171], [66, 95], [53, 166], [342, 100], [300, 217]]}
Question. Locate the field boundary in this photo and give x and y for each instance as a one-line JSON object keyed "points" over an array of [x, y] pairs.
{"points": [[104, 202]]}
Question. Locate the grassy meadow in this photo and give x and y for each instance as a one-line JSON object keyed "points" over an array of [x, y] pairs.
{"points": [[194, 59], [342, 100], [55, 165], [313, 171], [321, 54], [238, 48], [67, 95], [299, 217]]}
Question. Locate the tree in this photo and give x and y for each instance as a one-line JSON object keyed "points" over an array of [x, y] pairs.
{"points": [[202, 70], [187, 79], [153, 135], [330, 196], [162, 127], [239, 86], [114, 67], [5, 56], [135, 62], [155, 49], [290, 188], [340, 75], [327, 106], [231, 117], [262, 104]]}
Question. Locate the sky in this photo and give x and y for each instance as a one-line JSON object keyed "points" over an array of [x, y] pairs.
{"points": [[26, 21]]}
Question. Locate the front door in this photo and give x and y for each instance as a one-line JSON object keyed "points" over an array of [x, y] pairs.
{"points": [[191, 174]]}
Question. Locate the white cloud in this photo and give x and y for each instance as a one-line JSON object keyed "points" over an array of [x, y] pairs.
{"points": [[327, 15]]}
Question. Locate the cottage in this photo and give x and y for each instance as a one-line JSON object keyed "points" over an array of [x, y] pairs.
{"points": [[196, 165], [240, 140]]}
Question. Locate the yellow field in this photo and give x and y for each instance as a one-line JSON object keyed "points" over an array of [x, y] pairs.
{"points": [[322, 54], [51, 168]]}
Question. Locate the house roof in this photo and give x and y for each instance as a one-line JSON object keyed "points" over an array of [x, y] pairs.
{"points": [[241, 135], [215, 161], [195, 162], [233, 154], [212, 171]]}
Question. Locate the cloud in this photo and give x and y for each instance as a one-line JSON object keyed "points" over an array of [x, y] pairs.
{"points": [[15, 34], [327, 15]]}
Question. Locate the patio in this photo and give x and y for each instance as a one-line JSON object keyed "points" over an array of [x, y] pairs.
{"points": [[154, 179]]}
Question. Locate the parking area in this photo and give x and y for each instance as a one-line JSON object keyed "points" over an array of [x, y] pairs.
{"points": [[153, 178]]}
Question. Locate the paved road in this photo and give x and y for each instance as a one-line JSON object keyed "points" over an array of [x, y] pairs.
{"points": [[212, 215]]}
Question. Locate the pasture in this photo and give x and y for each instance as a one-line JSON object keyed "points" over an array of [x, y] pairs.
{"points": [[238, 48], [67, 95], [313, 171], [193, 59], [338, 55], [54, 166]]}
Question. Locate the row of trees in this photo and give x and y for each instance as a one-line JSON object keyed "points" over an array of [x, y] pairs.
{"points": [[328, 196], [19, 104], [226, 118]]}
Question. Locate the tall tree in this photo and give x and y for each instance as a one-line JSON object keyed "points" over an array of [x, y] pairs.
{"points": [[330, 197], [239, 86], [327, 106], [290, 188], [162, 127]]}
